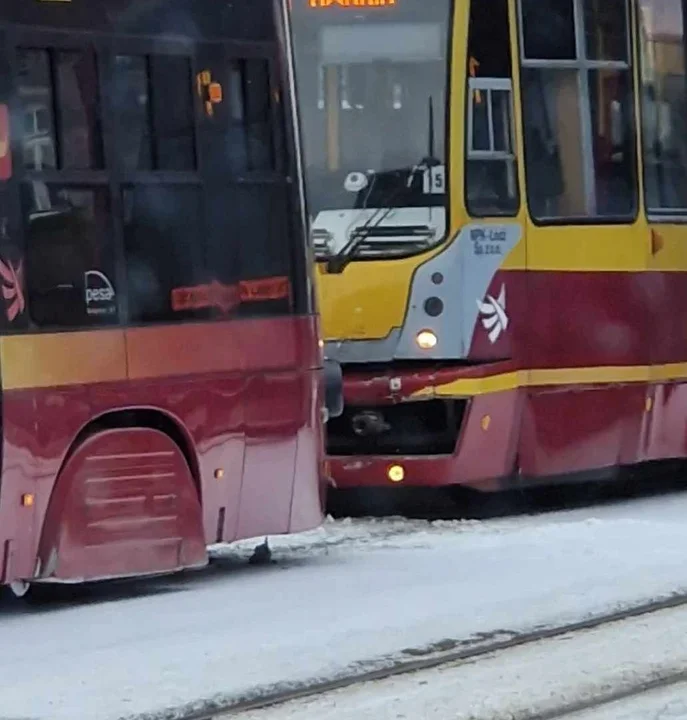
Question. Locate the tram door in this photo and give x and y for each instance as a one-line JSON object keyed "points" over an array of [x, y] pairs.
{"points": [[663, 101]]}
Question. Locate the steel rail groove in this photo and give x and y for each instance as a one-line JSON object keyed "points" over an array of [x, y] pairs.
{"points": [[443, 654], [602, 700]]}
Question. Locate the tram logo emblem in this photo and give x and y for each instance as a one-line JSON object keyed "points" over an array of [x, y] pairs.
{"points": [[493, 315], [100, 295], [13, 288]]}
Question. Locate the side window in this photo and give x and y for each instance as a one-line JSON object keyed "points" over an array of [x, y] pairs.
{"points": [[248, 233], [491, 172], [578, 113], [69, 262], [664, 105], [13, 315], [153, 105], [238, 131], [161, 192], [163, 233], [200, 197], [58, 92]]}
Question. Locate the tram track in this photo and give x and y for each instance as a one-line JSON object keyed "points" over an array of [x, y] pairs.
{"points": [[618, 695], [454, 652]]}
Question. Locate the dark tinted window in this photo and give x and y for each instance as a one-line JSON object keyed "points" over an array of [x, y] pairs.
{"points": [[158, 196], [59, 90], [250, 21], [196, 251], [163, 234], [548, 29], [70, 260], [238, 131], [154, 112], [68, 256]]}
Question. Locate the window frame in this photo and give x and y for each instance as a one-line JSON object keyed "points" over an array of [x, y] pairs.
{"points": [[487, 85], [583, 66], [114, 179], [658, 215]]}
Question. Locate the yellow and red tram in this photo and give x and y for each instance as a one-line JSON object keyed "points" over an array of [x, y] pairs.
{"points": [[498, 199]]}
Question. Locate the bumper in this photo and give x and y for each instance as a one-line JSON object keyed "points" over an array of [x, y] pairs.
{"points": [[333, 389], [478, 451]]}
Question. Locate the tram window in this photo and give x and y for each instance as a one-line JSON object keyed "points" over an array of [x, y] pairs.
{"points": [[131, 102], [238, 136], [12, 256], [257, 117], [60, 89], [173, 131], [606, 31], [664, 105], [154, 113], [548, 29], [491, 169], [164, 249], [579, 122], [36, 97], [70, 263], [77, 83]]}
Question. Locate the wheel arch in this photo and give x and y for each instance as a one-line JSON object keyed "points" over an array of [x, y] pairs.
{"points": [[140, 416]]}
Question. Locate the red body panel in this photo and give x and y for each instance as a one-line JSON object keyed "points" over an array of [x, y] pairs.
{"points": [[481, 459], [558, 321], [248, 421], [125, 503]]}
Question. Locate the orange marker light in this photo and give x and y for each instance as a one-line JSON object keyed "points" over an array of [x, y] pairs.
{"points": [[215, 93], [28, 499]]}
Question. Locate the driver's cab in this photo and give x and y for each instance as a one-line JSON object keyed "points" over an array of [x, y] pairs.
{"points": [[372, 101]]}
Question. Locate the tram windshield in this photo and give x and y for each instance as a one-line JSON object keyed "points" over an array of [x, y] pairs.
{"points": [[372, 85]]}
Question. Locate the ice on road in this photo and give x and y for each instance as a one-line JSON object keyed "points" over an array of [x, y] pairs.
{"points": [[348, 593]]}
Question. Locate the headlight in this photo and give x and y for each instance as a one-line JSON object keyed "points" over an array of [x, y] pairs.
{"points": [[426, 340]]}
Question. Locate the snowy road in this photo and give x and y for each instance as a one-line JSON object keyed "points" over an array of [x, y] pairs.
{"points": [[527, 682], [669, 704], [348, 593]]}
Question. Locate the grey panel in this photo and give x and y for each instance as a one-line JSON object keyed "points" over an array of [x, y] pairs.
{"points": [[362, 351], [468, 266]]}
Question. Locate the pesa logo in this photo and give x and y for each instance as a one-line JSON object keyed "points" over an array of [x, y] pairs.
{"points": [[101, 298]]}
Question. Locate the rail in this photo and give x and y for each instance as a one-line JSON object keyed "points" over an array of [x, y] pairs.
{"points": [[446, 653]]}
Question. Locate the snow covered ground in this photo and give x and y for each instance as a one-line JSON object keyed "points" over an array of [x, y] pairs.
{"points": [[669, 704], [349, 593], [525, 682]]}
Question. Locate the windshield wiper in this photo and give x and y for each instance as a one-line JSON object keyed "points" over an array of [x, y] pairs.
{"points": [[339, 262]]}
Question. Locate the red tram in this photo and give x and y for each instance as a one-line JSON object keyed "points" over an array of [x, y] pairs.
{"points": [[161, 368]]}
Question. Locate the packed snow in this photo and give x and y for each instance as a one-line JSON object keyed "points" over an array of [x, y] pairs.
{"points": [[351, 594], [524, 682], [665, 704]]}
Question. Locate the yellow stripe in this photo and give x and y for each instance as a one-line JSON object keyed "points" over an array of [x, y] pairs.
{"points": [[42, 361], [609, 375]]}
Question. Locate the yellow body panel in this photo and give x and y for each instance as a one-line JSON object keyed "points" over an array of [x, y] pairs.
{"points": [[671, 248], [370, 298], [42, 361], [366, 301]]}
